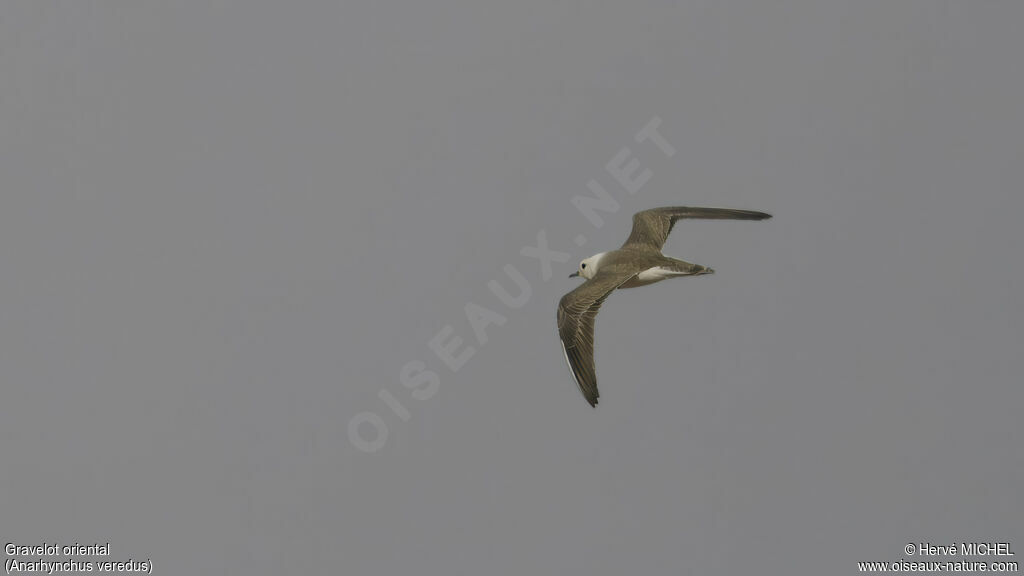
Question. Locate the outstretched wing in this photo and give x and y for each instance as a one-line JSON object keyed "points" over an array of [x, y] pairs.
{"points": [[651, 227], [576, 313]]}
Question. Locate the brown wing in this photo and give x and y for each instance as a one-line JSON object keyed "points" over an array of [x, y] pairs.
{"points": [[651, 227], [576, 313]]}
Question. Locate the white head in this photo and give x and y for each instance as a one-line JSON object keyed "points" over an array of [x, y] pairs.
{"points": [[588, 266]]}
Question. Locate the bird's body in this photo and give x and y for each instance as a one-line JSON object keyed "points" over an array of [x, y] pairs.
{"points": [[638, 262]]}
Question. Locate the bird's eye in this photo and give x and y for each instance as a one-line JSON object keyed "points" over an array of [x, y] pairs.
{"points": [[583, 265]]}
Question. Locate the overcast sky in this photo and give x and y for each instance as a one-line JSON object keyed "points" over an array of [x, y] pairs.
{"points": [[231, 231]]}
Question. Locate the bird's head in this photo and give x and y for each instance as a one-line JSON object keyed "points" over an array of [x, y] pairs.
{"points": [[588, 267]]}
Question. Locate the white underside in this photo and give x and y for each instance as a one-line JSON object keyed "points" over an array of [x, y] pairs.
{"points": [[657, 273], [652, 275]]}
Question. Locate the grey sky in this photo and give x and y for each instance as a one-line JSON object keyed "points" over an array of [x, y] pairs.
{"points": [[226, 227]]}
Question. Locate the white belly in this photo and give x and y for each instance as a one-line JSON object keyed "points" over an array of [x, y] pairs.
{"points": [[651, 275]]}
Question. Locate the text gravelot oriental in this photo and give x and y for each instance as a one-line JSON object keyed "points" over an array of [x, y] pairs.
{"points": [[55, 549]]}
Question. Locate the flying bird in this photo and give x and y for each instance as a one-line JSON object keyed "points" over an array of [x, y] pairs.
{"points": [[638, 262]]}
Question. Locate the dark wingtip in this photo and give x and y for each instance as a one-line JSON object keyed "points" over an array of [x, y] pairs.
{"points": [[752, 215]]}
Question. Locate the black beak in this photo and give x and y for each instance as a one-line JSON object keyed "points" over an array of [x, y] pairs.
{"points": [[574, 274]]}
